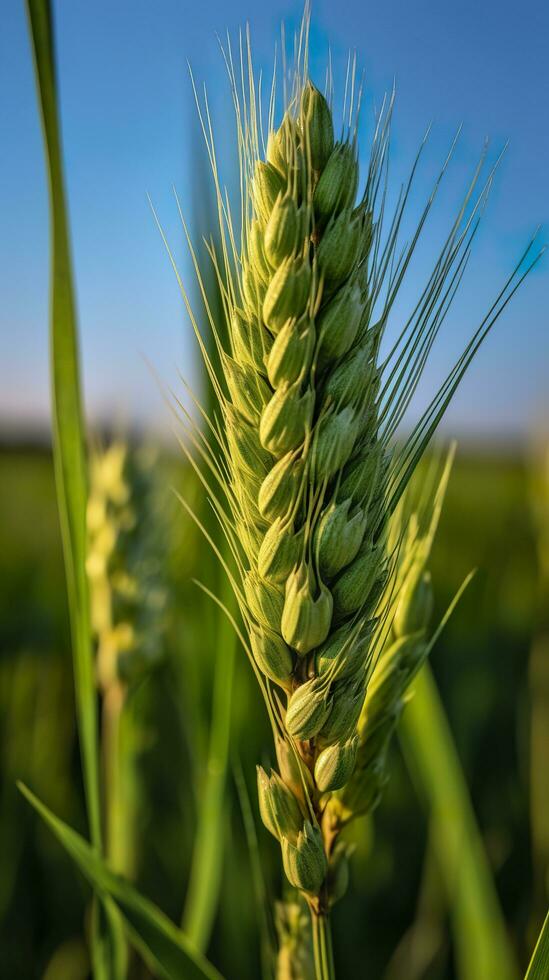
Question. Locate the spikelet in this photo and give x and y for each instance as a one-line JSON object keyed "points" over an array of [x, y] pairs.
{"points": [[334, 766], [278, 806], [305, 861]]}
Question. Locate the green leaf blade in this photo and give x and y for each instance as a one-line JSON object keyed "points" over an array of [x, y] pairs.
{"points": [[164, 946], [539, 964], [68, 424], [482, 945]]}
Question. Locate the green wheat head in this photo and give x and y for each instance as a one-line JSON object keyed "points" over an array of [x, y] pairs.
{"points": [[302, 465]]}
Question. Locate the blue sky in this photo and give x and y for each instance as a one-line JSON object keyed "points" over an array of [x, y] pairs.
{"points": [[128, 119]]}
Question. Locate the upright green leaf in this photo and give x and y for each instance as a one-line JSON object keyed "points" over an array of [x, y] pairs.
{"points": [[539, 964], [69, 456], [166, 949], [482, 946], [68, 426]]}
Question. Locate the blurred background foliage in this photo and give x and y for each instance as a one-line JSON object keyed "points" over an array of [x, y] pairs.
{"points": [[393, 923]]}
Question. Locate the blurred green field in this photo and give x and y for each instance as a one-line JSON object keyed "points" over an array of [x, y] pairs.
{"points": [[395, 924]]}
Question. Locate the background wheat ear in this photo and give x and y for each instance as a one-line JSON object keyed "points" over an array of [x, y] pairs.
{"points": [[128, 599]]}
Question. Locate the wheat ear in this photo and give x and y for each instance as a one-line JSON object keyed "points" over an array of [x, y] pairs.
{"points": [[302, 466]]}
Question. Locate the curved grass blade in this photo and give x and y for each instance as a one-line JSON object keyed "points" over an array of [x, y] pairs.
{"points": [[539, 964], [482, 945], [167, 950]]}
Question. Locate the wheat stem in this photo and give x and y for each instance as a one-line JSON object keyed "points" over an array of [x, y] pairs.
{"points": [[116, 829], [322, 946]]}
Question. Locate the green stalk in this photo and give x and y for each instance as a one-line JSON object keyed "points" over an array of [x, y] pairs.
{"points": [[205, 878], [482, 945], [322, 947], [115, 817], [118, 833]]}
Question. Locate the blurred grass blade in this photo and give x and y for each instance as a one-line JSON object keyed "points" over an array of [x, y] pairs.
{"points": [[164, 946], [207, 865], [68, 428], [539, 964], [482, 945]]}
